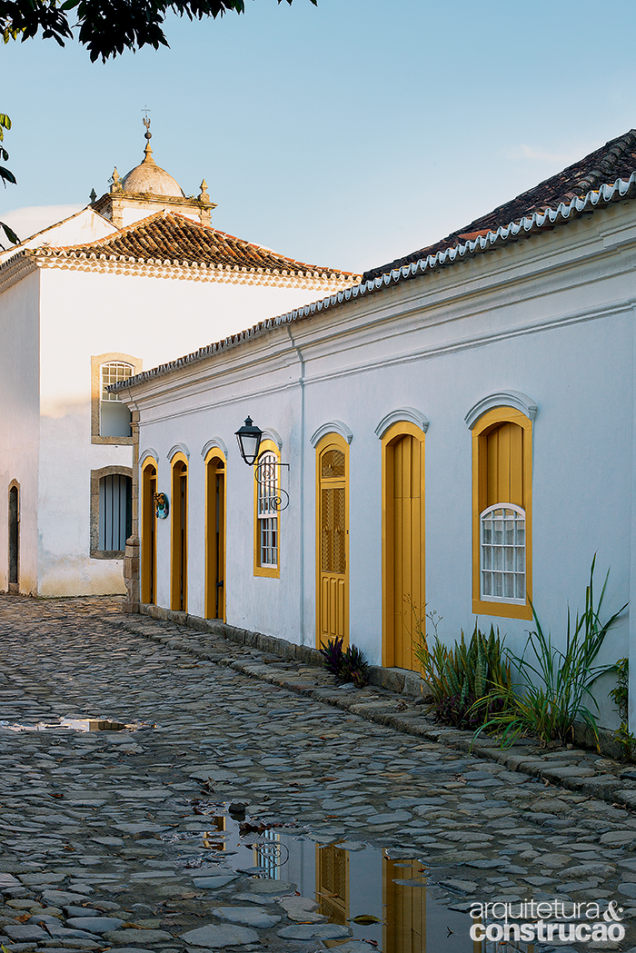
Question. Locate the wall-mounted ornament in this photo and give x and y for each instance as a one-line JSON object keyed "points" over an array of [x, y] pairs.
{"points": [[162, 506]]}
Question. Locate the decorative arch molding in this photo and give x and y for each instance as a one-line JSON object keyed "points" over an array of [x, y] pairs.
{"points": [[211, 444], [178, 448], [150, 452], [410, 414], [502, 398], [274, 436], [332, 426]]}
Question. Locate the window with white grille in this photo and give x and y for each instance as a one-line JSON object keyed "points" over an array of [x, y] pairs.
{"points": [[267, 499], [114, 416], [503, 553]]}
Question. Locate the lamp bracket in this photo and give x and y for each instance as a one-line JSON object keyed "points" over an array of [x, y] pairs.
{"points": [[280, 502]]}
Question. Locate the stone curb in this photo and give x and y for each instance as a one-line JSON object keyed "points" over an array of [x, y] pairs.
{"points": [[389, 711]]}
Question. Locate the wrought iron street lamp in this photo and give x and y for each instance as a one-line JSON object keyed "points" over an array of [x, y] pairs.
{"points": [[249, 441], [267, 472]]}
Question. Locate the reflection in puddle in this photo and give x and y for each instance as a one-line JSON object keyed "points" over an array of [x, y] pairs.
{"points": [[71, 724], [383, 899]]}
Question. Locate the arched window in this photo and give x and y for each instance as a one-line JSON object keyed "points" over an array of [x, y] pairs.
{"points": [[114, 416], [110, 416], [502, 513], [267, 515]]}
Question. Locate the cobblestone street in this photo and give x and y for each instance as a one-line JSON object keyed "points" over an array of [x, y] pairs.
{"points": [[123, 839]]}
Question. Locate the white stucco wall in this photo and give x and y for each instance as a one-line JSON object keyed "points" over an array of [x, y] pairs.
{"points": [[19, 423], [88, 313], [551, 317]]}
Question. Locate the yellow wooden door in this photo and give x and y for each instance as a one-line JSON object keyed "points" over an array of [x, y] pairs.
{"points": [[148, 534], [333, 545], [215, 537], [404, 542]]}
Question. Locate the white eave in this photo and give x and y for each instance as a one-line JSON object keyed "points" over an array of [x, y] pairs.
{"points": [[515, 231]]}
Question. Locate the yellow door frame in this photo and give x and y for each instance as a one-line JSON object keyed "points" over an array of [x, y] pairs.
{"points": [[179, 543], [391, 437], [148, 522], [331, 441], [215, 561]]}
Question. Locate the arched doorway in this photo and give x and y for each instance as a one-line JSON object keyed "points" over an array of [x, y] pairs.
{"points": [[14, 537], [148, 532], [179, 561], [215, 535], [332, 539], [403, 542]]}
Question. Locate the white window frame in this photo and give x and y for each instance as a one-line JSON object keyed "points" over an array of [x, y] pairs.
{"points": [[118, 365], [267, 502], [503, 557]]}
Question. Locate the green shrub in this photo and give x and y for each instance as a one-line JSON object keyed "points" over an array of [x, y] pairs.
{"points": [[556, 685], [458, 677]]}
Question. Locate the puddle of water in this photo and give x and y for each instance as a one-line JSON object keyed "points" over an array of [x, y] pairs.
{"points": [[390, 903], [71, 724]]}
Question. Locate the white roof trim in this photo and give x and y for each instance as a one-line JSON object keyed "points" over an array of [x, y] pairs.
{"points": [[211, 444], [516, 231], [503, 398], [178, 447], [411, 414], [332, 426]]}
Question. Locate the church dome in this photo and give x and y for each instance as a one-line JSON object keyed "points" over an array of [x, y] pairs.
{"points": [[149, 177]]}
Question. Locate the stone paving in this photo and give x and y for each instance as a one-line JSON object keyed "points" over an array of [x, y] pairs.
{"points": [[106, 835]]}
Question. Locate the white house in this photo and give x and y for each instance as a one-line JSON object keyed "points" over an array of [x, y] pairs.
{"points": [[459, 429], [125, 283]]}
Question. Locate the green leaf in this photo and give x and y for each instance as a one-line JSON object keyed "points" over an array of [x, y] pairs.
{"points": [[364, 919], [11, 235]]}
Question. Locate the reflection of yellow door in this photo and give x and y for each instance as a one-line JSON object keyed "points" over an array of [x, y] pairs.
{"points": [[403, 556], [332, 882], [404, 929], [332, 532]]}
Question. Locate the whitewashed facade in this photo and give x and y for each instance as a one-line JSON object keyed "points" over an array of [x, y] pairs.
{"points": [[72, 302], [538, 318]]}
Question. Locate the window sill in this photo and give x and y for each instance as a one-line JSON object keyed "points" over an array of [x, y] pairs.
{"points": [[505, 610], [113, 441], [267, 571], [106, 554]]}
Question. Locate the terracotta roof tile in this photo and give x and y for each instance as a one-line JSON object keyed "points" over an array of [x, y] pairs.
{"points": [[168, 236], [615, 160]]}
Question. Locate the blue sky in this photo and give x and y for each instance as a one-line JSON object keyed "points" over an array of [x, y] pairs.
{"points": [[347, 134]]}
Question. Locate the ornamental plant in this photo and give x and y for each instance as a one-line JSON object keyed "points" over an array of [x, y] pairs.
{"points": [[556, 686], [460, 676], [347, 666]]}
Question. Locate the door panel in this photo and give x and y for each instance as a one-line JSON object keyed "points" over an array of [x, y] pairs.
{"points": [[332, 549], [404, 549]]}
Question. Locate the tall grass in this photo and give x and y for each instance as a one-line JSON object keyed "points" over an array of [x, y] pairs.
{"points": [[556, 685]]}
